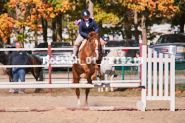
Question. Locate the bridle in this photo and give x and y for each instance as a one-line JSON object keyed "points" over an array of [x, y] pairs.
{"points": [[95, 49]]}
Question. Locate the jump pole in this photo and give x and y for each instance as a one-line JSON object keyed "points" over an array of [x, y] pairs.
{"points": [[140, 55], [49, 65]]}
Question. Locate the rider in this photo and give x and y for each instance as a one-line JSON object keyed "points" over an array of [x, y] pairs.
{"points": [[86, 26]]}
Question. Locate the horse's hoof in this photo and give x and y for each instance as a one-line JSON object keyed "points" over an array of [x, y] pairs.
{"points": [[93, 77], [79, 105], [85, 104], [37, 90]]}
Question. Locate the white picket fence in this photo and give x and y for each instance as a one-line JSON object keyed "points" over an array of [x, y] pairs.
{"points": [[149, 78]]}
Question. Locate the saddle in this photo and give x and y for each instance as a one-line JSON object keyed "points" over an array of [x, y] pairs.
{"points": [[82, 44]]}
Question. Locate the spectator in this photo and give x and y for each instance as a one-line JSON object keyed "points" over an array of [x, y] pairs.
{"points": [[105, 52], [138, 68], [18, 58]]}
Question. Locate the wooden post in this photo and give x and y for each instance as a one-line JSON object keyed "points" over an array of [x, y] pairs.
{"points": [[90, 7], [49, 67]]}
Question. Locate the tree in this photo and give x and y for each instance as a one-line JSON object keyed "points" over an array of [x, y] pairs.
{"points": [[6, 25], [60, 7], [179, 17], [90, 7], [2, 11], [31, 12], [151, 8]]}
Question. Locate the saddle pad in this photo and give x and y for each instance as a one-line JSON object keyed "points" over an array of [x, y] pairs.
{"points": [[83, 43]]}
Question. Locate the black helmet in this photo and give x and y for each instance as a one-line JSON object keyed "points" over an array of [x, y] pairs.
{"points": [[105, 38], [137, 51], [85, 13]]}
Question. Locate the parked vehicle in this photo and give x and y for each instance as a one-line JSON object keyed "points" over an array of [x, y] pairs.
{"points": [[55, 54], [171, 44], [124, 43]]}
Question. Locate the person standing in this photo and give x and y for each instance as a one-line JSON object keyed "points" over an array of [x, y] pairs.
{"points": [[18, 58], [138, 68], [105, 52]]}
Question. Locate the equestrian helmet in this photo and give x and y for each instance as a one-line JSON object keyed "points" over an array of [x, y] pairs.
{"points": [[85, 13], [105, 38], [137, 52]]}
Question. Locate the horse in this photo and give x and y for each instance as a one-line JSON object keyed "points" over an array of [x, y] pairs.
{"points": [[91, 49], [108, 70], [37, 72]]}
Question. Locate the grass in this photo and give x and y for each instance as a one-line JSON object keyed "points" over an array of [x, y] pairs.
{"points": [[180, 87]]}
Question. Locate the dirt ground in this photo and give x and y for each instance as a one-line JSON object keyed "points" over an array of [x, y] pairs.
{"points": [[156, 111]]}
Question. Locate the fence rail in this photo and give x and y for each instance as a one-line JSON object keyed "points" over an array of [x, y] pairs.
{"points": [[36, 49]]}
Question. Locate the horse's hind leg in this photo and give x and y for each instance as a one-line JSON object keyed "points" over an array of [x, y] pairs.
{"points": [[87, 93], [76, 79], [35, 72], [78, 95]]}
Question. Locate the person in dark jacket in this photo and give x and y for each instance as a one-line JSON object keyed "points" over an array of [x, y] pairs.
{"points": [[105, 52], [18, 58], [86, 26]]}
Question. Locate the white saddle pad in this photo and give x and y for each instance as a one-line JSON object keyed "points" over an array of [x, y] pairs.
{"points": [[83, 43]]}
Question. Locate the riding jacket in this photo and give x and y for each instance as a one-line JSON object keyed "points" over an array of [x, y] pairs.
{"points": [[18, 58], [84, 29]]}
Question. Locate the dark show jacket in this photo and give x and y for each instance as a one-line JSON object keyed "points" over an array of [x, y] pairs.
{"points": [[84, 30]]}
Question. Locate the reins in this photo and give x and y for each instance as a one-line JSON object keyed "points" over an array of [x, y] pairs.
{"points": [[92, 50]]}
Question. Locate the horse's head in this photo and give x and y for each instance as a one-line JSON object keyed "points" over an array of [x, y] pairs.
{"points": [[95, 44]]}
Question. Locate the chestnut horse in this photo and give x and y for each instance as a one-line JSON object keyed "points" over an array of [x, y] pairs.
{"points": [[86, 69]]}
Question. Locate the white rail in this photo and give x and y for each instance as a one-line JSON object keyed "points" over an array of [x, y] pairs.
{"points": [[68, 85], [36, 49], [69, 82]]}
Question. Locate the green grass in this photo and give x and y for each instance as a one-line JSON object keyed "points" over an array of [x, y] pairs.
{"points": [[180, 86]]}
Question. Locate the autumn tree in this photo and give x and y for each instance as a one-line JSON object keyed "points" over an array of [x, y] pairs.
{"points": [[31, 12], [179, 18], [59, 7], [151, 8], [6, 25]]}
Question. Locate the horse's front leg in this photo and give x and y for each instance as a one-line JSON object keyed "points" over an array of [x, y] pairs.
{"points": [[86, 69], [93, 77], [78, 95]]}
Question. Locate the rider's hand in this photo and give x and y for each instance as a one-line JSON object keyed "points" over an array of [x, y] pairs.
{"points": [[5, 69]]}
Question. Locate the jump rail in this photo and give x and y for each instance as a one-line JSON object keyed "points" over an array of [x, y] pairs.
{"points": [[35, 49]]}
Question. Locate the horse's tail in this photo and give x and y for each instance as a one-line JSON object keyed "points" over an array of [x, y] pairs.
{"points": [[40, 78]]}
